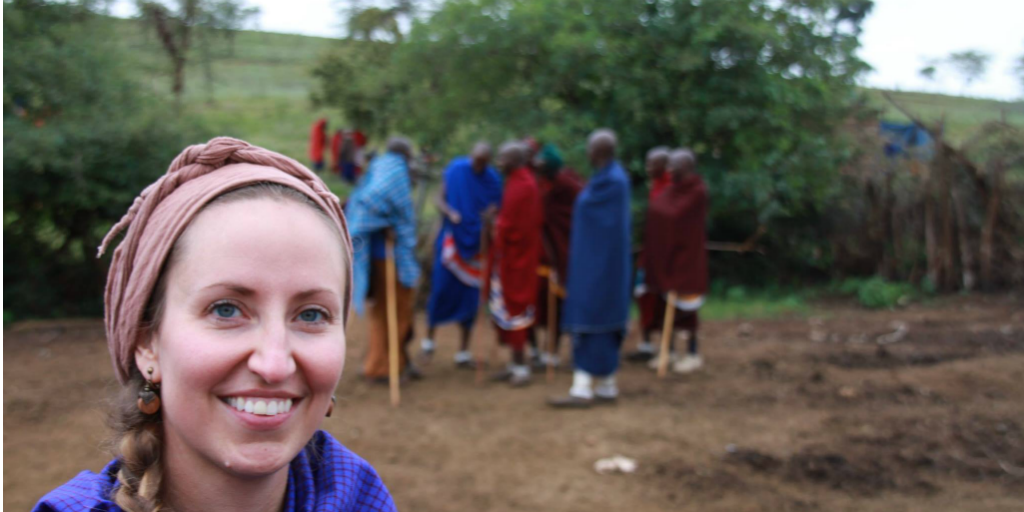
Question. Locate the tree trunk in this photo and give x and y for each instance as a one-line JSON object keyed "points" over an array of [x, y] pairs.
{"points": [[989, 227], [178, 86]]}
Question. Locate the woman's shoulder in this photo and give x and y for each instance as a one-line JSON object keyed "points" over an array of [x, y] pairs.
{"points": [[339, 477], [86, 491]]}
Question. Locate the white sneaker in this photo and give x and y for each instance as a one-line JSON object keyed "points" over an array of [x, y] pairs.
{"points": [[688, 364], [427, 345], [550, 359], [653, 363]]}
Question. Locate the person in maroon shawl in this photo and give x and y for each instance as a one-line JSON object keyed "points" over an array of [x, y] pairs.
{"points": [[559, 187], [317, 141], [513, 259], [676, 255], [647, 303], [336, 141]]}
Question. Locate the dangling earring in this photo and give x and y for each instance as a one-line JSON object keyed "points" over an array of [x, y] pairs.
{"points": [[331, 408], [149, 397]]}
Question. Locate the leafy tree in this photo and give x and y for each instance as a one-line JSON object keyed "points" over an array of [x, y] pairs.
{"points": [[375, 23], [176, 23], [1019, 70], [928, 72], [81, 139], [758, 88], [970, 64], [228, 17]]}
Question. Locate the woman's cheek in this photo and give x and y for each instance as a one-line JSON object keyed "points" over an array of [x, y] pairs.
{"points": [[322, 362]]}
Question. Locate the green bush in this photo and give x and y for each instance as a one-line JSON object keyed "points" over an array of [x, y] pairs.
{"points": [[877, 293], [81, 139]]}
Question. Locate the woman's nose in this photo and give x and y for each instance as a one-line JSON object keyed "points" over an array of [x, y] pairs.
{"points": [[272, 358]]}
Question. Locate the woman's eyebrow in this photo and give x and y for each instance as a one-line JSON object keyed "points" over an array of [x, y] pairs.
{"points": [[314, 291], [235, 288]]}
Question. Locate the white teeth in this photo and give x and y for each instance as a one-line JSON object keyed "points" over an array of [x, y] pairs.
{"points": [[264, 407]]}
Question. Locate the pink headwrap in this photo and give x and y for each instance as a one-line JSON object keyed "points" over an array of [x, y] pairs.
{"points": [[161, 213]]}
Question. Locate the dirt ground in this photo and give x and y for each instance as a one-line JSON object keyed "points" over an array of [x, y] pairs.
{"points": [[793, 414]]}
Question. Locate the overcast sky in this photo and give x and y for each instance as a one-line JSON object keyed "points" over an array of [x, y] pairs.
{"points": [[899, 36]]}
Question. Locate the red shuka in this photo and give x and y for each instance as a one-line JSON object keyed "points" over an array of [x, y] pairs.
{"points": [[317, 139], [336, 151], [517, 241], [675, 256], [559, 197], [658, 185]]}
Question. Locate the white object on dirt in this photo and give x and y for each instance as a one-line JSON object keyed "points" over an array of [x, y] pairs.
{"points": [[901, 330], [688, 364], [616, 464]]}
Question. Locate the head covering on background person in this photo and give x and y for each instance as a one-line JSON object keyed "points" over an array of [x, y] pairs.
{"points": [[550, 160], [165, 209]]}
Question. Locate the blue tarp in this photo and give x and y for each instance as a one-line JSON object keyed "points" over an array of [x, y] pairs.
{"points": [[907, 140]]}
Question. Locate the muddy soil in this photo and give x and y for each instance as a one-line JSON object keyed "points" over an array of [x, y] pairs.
{"points": [[833, 412]]}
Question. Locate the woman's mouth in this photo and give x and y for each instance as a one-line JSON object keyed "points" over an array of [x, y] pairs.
{"points": [[259, 406]]}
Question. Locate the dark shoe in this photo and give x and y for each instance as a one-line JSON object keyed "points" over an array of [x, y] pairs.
{"points": [[505, 375], [570, 402], [640, 356], [413, 373], [605, 400]]}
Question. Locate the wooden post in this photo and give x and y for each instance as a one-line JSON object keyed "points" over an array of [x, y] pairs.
{"points": [[552, 336], [392, 291], [666, 333]]}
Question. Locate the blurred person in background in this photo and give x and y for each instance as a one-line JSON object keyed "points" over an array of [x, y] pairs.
{"points": [[382, 201], [225, 313], [317, 141], [559, 187], [675, 247], [512, 262], [598, 284], [647, 302], [470, 194]]}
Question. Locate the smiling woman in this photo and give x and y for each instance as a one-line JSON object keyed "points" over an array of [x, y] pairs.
{"points": [[226, 306]]}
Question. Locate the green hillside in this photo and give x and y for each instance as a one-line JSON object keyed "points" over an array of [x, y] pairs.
{"points": [[261, 91]]}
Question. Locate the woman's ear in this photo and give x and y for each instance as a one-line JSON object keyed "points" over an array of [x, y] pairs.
{"points": [[147, 355]]}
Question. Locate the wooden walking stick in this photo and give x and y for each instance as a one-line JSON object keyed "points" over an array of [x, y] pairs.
{"points": [[391, 293], [552, 336], [481, 311], [666, 333]]}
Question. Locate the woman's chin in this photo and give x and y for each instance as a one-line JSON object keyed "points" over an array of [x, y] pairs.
{"points": [[259, 459]]}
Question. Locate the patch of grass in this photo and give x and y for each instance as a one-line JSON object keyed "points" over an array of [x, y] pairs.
{"points": [[878, 293], [738, 303]]}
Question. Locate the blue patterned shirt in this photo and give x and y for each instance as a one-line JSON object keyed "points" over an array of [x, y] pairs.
{"points": [[324, 477], [382, 200]]}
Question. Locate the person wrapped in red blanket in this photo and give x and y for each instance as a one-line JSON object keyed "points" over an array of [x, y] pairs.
{"points": [[513, 259], [675, 250], [559, 187]]}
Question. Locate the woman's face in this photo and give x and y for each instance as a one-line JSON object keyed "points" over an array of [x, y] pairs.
{"points": [[251, 342]]}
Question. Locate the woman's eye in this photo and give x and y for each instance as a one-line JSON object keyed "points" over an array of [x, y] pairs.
{"points": [[226, 311], [312, 315]]}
